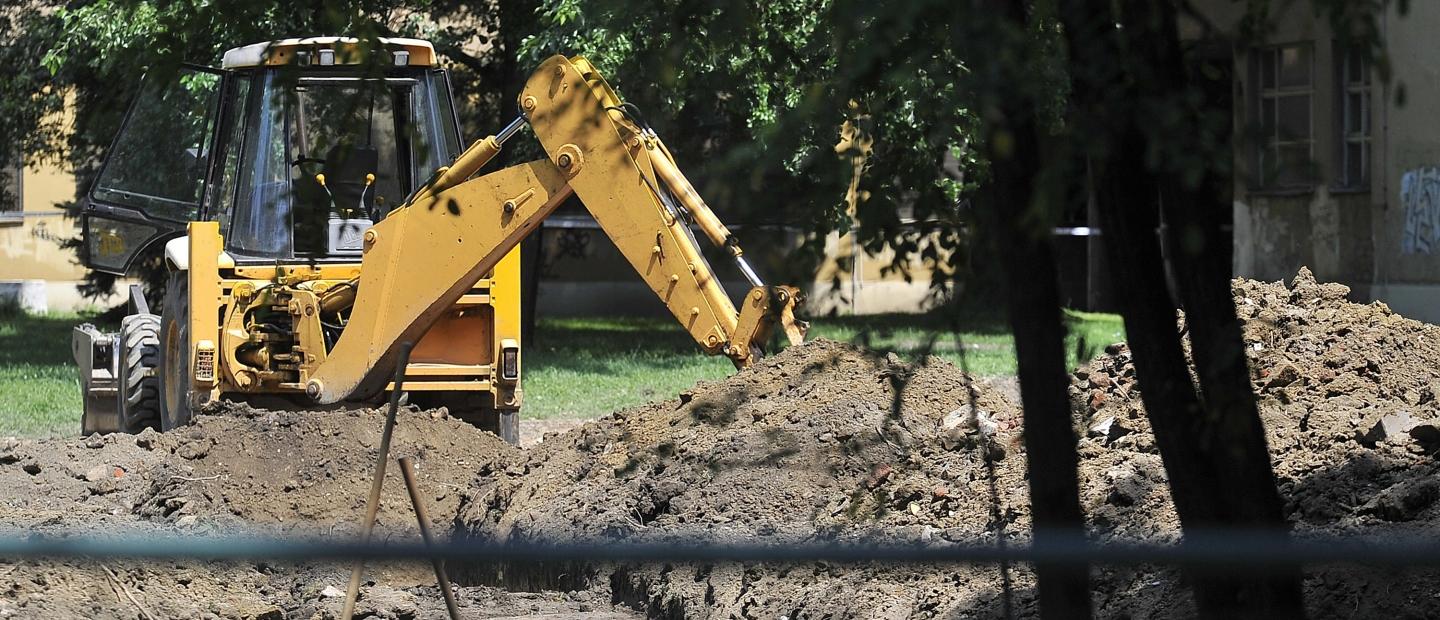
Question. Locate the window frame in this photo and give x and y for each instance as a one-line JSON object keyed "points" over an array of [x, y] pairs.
{"points": [[1268, 175], [95, 198], [215, 204], [100, 219], [279, 86], [14, 212], [1345, 86]]}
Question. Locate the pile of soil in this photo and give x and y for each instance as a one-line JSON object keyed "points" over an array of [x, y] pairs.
{"points": [[243, 469], [823, 442], [239, 465], [1348, 396], [828, 441]]}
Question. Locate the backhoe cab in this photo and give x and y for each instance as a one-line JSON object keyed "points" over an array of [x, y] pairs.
{"points": [[316, 212]]}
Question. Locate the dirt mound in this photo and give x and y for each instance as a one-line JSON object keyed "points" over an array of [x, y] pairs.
{"points": [[827, 441], [823, 441], [1348, 395], [313, 470], [238, 464], [270, 472]]}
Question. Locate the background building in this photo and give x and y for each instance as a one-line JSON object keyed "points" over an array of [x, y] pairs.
{"points": [[582, 274], [36, 271], [1336, 168]]}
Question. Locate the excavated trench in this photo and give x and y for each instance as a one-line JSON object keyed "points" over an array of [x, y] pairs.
{"points": [[823, 442]]}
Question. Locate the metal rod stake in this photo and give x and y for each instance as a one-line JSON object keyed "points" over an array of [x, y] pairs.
{"points": [[407, 470], [372, 503]]}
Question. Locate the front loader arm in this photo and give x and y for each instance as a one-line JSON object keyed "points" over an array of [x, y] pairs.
{"points": [[425, 255]]}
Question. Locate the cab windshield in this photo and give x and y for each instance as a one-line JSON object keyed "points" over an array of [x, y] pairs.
{"points": [[323, 157]]}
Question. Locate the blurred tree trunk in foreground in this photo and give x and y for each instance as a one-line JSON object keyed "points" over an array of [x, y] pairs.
{"points": [[1134, 97], [1013, 208]]}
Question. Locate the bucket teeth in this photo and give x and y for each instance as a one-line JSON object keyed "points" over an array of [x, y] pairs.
{"points": [[764, 309], [794, 328]]}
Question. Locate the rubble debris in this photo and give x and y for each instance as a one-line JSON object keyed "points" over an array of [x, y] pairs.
{"points": [[1389, 426], [824, 441], [1347, 392]]}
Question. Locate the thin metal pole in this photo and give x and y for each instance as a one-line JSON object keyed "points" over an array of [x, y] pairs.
{"points": [[372, 504], [1231, 550], [407, 470]]}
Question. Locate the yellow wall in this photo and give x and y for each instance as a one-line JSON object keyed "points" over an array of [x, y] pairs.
{"points": [[853, 281], [30, 244], [30, 248]]}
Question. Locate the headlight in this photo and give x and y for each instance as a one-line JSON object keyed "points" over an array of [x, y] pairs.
{"points": [[509, 361]]}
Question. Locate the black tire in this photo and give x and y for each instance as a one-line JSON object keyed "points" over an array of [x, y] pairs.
{"points": [[175, 370], [139, 405]]}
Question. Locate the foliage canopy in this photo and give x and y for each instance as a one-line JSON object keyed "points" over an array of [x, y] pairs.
{"points": [[752, 98]]}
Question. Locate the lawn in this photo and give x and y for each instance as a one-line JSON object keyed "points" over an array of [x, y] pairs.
{"points": [[574, 368], [39, 387], [589, 367]]}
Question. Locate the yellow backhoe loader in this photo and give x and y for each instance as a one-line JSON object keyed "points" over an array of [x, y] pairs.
{"points": [[316, 211]]}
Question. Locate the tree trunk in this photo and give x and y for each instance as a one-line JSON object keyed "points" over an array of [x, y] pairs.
{"points": [[1032, 283], [1022, 242], [1213, 448]]}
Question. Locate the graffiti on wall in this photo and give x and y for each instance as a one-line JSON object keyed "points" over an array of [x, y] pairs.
{"points": [[1420, 197]]}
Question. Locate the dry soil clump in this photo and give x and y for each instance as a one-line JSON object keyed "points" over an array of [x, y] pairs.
{"points": [[1348, 395], [824, 441], [242, 469]]}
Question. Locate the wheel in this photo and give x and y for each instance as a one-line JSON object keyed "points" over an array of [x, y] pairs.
{"points": [[176, 371], [139, 393], [473, 408]]}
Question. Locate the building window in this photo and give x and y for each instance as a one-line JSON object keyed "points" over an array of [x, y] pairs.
{"points": [[12, 204], [1354, 107], [1285, 75]]}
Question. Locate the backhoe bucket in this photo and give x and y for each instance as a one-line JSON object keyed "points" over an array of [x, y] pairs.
{"points": [[95, 356], [763, 309], [794, 329]]}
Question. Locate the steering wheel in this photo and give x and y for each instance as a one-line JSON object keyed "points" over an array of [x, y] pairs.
{"points": [[301, 161]]}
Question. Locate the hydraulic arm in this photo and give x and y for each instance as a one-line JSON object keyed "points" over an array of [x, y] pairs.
{"points": [[425, 255]]}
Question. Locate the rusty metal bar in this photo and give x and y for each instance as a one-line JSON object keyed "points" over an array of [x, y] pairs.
{"points": [[372, 503], [407, 470]]}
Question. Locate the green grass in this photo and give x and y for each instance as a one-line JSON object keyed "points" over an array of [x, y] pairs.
{"points": [[574, 368], [589, 367], [39, 387]]}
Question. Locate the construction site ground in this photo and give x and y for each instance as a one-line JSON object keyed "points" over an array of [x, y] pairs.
{"points": [[822, 442]]}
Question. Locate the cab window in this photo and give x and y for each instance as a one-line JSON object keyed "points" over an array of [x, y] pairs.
{"points": [[325, 154], [157, 163]]}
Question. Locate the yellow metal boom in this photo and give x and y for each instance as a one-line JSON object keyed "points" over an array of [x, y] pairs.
{"points": [[425, 255]]}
